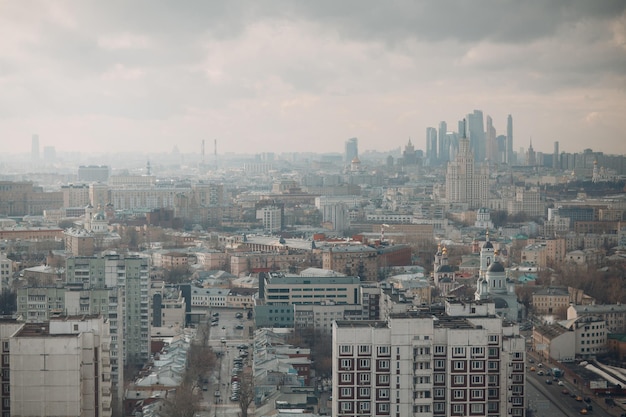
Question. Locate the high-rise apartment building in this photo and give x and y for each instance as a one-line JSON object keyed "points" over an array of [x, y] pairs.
{"points": [[490, 141], [467, 183], [555, 156], [352, 150], [61, 368], [466, 361]]}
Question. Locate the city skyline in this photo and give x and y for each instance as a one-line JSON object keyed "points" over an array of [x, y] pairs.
{"points": [[306, 77]]}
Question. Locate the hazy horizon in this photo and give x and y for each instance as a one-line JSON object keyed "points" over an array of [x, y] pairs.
{"points": [[295, 76]]}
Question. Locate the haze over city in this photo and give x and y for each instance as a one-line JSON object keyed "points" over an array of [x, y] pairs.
{"points": [[305, 76]]}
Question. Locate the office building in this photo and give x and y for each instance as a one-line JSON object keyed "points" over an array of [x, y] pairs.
{"points": [[351, 150], [93, 173], [464, 362], [509, 141], [443, 151], [34, 148], [431, 145], [476, 133]]}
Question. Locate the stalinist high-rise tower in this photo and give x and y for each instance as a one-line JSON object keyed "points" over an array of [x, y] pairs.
{"points": [[467, 182]]}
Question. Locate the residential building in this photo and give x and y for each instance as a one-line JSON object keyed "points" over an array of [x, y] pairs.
{"points": [[466, 182], [465, 362], [61, 368], [614, 315]]}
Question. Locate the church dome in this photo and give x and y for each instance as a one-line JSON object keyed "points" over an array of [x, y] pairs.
{"points": [[444, 268], [488, 245], [495, 267], [99, 216], [500, 303]]}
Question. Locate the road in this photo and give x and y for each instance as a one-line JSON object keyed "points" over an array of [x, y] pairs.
{"points": [[224, 339]]}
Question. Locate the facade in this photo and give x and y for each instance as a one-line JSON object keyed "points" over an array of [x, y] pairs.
{"points": [[458, 364], [466, 182], [551, 301], [93, 173], [359, 260], [279, 289], [614, 315], [6, 271], [61, 368]]}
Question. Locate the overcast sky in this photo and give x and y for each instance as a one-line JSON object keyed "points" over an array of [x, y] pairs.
{"points": [[282, 76]]}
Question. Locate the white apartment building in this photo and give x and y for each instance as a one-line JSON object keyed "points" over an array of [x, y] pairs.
{"points": [[467, 362], [61, 368], [6, 271]]}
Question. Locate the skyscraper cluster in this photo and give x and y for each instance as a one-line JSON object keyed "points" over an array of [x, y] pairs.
{"points": [[485, 144]]}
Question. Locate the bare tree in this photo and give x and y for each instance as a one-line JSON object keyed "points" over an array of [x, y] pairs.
{"points": [[246, 393], [184, 401]]}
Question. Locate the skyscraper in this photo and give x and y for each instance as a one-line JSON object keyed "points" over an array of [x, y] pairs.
{"points": [[476, 134], [443, 152], [34, 148], [490, 141], [555, 156], [509, 141], [431, 145], [465, 183], [352, 150]]}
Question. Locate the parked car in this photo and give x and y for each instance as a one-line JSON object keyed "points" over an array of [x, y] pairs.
{"points": [[549, 381]]}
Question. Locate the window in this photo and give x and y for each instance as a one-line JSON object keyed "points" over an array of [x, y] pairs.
{"points": [[383, 364], [364, 378], [346, 364], [440, 350], [383, 407], [345, 350], [478, 351], [384, 351], [458, 394], [477, 365], [439, 407], [364, 392], [346, 377], [439, 393], [477, 394], [458, 409], [440, 378], [364, 363], [440, 364], [383, 393], [493, 339], [346, 392], [458, 365], [477, 408], [458, 351], [493, 379], [345, 405], [493, 365], [365, 349], [364, 406], [477, 379], [383, 379], [459, 380]]}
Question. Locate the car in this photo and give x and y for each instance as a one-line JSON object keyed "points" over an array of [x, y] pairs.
{"points": [[242, 346], [540, 373], [565, 392], [579, 398], [243, 353], [215, 319], [239, 326], [214, 323], [561, 383], [584, 411], [234, 397], [549, 381], [223, 339], [587, 400], [239, 315], [531, 360], [539, 365], [532, 369], [217, 394], [216, 314]]}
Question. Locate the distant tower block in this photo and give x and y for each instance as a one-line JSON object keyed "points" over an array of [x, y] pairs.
{"points": [[34, 148]]}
